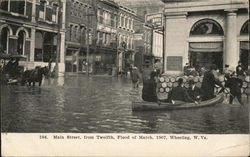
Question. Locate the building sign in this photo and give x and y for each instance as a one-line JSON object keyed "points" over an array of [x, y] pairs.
{"points": [[138, 37], [174, 63], [155, 19]]}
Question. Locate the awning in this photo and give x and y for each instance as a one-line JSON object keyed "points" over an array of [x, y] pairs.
{"points": [[206, 47], [244, 45]]}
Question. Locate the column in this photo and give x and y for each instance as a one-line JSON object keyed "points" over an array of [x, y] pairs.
{"points": [[33, 11], [231, 55], [32, 44], [175, 41]]}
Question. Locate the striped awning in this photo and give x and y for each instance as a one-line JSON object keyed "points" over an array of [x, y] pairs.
{"points": [[206, 47]]}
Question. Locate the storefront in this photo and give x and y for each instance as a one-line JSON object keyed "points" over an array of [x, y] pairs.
{"points": [[205, 33]]}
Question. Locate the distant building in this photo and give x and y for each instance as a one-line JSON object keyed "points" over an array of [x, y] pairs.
{"points": [[206, 32], [143, 45], [125, 31], [78, 15], [30, 28], [106, 51]]}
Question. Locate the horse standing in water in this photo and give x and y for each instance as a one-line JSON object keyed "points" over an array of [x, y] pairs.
{"points": [[34, 75]]}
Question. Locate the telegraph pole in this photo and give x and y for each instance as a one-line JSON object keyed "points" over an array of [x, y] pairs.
{"points": [[59, 21], [87, 55]]}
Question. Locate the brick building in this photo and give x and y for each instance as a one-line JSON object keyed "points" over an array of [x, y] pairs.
{"points": [[78, 14], [106, 30], [125, 31], [30, 28]]}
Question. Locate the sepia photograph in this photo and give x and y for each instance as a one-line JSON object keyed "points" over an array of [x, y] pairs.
{"points": [[142, 69]]}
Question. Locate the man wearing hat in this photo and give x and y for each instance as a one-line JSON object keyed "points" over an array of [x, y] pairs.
{"points": [[179, 94], [208, 83], [234, 84], [193, 91]]}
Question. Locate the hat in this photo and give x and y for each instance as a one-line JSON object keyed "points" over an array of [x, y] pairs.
{"points": [[191, 81], [180, 81]]}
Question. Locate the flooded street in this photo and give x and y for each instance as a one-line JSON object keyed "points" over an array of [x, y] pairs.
{"points": [[103, 105]]}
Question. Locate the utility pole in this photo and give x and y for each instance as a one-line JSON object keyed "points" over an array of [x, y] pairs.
{"points": [[87, 55], [59, 21]]}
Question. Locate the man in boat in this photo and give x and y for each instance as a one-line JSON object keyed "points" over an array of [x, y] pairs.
{"points": [[208, 83], [179, 94], [149, 89], [193, 91], [234, 84]]}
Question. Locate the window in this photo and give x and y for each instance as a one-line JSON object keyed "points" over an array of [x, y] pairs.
{"points": [[4, 40], [113, 20], [83, 36], [100, 16], [21, 43], [4, 5], [122, 21], [206, 27], [42, 10], [15, 6], [245, 28]]}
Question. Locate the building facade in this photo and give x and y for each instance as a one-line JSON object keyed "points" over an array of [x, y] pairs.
{"points": [[143, 45], [206, 32], [78, 25], [106, 44], [30, 28], [125, 32]]}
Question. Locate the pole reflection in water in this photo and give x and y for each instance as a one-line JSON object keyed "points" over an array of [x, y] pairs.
{"points": [[103, 105]]}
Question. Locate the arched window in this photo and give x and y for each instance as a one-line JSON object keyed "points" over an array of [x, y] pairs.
{"points": [[245, 28], [206, 27], [21, 42], [4, 40], [83, 36]]}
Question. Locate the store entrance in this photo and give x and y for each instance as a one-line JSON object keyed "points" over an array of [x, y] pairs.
{"points": [[204, 54], [206, 59]]}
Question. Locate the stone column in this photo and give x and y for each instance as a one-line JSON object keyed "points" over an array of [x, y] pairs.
{"points": [[32, 44], [175, 40], [33, 11], [231, 55]]}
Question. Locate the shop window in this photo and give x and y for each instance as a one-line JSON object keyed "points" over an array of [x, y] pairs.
{"points": [[4, 40], [49, 47], [20, 42], [245, 28], [206, 27]]}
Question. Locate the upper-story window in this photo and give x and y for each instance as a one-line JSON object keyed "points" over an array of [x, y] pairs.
{"points": [[122, 21], [113, 20], [15, 6], [100, 16]]}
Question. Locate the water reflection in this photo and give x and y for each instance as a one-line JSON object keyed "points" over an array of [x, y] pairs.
{"points": [[103, 105]]}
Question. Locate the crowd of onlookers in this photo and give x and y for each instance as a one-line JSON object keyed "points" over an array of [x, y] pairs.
{"points": [[199, 71]]}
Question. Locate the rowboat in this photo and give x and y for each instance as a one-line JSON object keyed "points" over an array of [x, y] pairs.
{"points": [[149, 106]]}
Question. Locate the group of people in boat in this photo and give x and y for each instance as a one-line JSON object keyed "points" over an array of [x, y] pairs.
{"points": [[194, 94]]}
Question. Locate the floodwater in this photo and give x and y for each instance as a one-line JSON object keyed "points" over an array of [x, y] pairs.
{"points": [[99, 104]]}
